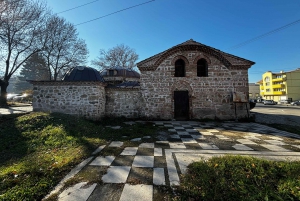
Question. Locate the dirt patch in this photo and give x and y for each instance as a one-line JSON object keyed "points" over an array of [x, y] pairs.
{"points": [[140, 176], [106, 192]]}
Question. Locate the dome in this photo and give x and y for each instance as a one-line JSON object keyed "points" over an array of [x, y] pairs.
{"points": [[82, 73], [120, 72]]}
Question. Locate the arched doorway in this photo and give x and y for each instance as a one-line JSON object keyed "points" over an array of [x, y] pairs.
{"points": [[181, 105]]}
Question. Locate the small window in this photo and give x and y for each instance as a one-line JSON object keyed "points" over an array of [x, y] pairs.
{"points": [[179, 68], [202, 70], [111, 72], [267, 79]]}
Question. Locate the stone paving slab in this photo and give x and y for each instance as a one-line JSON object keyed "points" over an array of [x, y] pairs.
{"points": [[274, 148], [103, 161], [137, 192], [158, 152], [159, 176], [116, 144], [116, 174], [130, 151], [242, 147], [245, 141], [78, 192], [143, 161], [275, 142]]}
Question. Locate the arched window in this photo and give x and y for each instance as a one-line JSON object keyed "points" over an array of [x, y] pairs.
{"points": [[202, 70], [179, 68]]}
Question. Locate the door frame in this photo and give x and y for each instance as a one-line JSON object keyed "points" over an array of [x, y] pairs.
{"points": [[187, 115]]}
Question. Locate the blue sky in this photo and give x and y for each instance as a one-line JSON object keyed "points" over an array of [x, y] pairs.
{"points": [[156, 26]]}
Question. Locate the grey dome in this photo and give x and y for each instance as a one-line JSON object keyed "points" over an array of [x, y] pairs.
{"points": [[82, 73], [121, 72]]}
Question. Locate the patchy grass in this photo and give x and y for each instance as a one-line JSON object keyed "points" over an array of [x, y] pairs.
{"points": [[38, 149], [240, 178]]}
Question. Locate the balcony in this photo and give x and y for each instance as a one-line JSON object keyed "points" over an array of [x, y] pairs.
{"points": [[276, 86], [262, 87], [279, 79], [279, 92]]}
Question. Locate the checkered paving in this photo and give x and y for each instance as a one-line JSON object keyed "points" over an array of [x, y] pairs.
{"points": [[139, 170]]}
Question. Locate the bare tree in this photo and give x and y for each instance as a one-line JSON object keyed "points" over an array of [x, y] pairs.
{"points": [[21, 29], [63, 48], [119, 56]]}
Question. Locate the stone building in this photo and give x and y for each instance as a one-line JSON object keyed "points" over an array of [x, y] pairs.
{"points": [[187, 81], [254, 92]]}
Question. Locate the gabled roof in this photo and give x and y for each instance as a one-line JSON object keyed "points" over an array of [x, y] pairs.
{"points": [[227, 59]]}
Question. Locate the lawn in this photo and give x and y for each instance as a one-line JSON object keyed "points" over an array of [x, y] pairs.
{"points": [[240, 178], [38, 149]]}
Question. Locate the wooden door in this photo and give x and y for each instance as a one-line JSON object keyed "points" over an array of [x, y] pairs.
{"points": [[181, 105]]}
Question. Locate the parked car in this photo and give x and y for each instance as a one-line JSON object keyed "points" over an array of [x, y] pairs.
{"points": [[11, 96], [260, 100], [270, 102], [284, 102], [252, 103], [297, 102], [20, 98]]}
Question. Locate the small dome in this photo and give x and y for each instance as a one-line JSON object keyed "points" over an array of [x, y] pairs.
{"points": [[82, 73]]}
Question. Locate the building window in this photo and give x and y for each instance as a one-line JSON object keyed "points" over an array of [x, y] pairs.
{"points": [[250, 94], [267, 83], [267, 90], [256, 94], [111, 72], [202, 70], [179, 68], [267, 79]]}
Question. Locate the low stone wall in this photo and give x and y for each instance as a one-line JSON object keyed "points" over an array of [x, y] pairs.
{"points": [[85, 99], [124, 102]]}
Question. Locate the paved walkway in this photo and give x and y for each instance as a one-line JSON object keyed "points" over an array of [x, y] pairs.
{"points": [[139, 171], [15, 110]]}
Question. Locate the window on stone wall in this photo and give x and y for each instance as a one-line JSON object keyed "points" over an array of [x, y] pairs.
{"points": [[111, 72], [202, 70], [179, 68]]}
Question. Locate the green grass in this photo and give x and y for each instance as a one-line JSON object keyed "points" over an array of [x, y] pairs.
{"points": [[38, 149], [240, 178]]}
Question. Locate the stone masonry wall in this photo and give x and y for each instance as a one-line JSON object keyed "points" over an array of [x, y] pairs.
{"points": [[124, 102], [210, 97], [77, 98]]}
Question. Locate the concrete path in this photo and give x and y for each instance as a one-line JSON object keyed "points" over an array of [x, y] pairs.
{"points": [[139, 171], [16, 110]]}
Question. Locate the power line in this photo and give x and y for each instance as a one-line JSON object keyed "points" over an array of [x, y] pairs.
{"points": [[114, 12], [77, 7], [264, 35]]}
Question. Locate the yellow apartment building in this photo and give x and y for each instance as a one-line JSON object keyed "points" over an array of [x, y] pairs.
{"points": [[280, 86]]}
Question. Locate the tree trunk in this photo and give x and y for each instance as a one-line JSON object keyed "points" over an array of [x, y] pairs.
{"points": [[3, 97]]}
